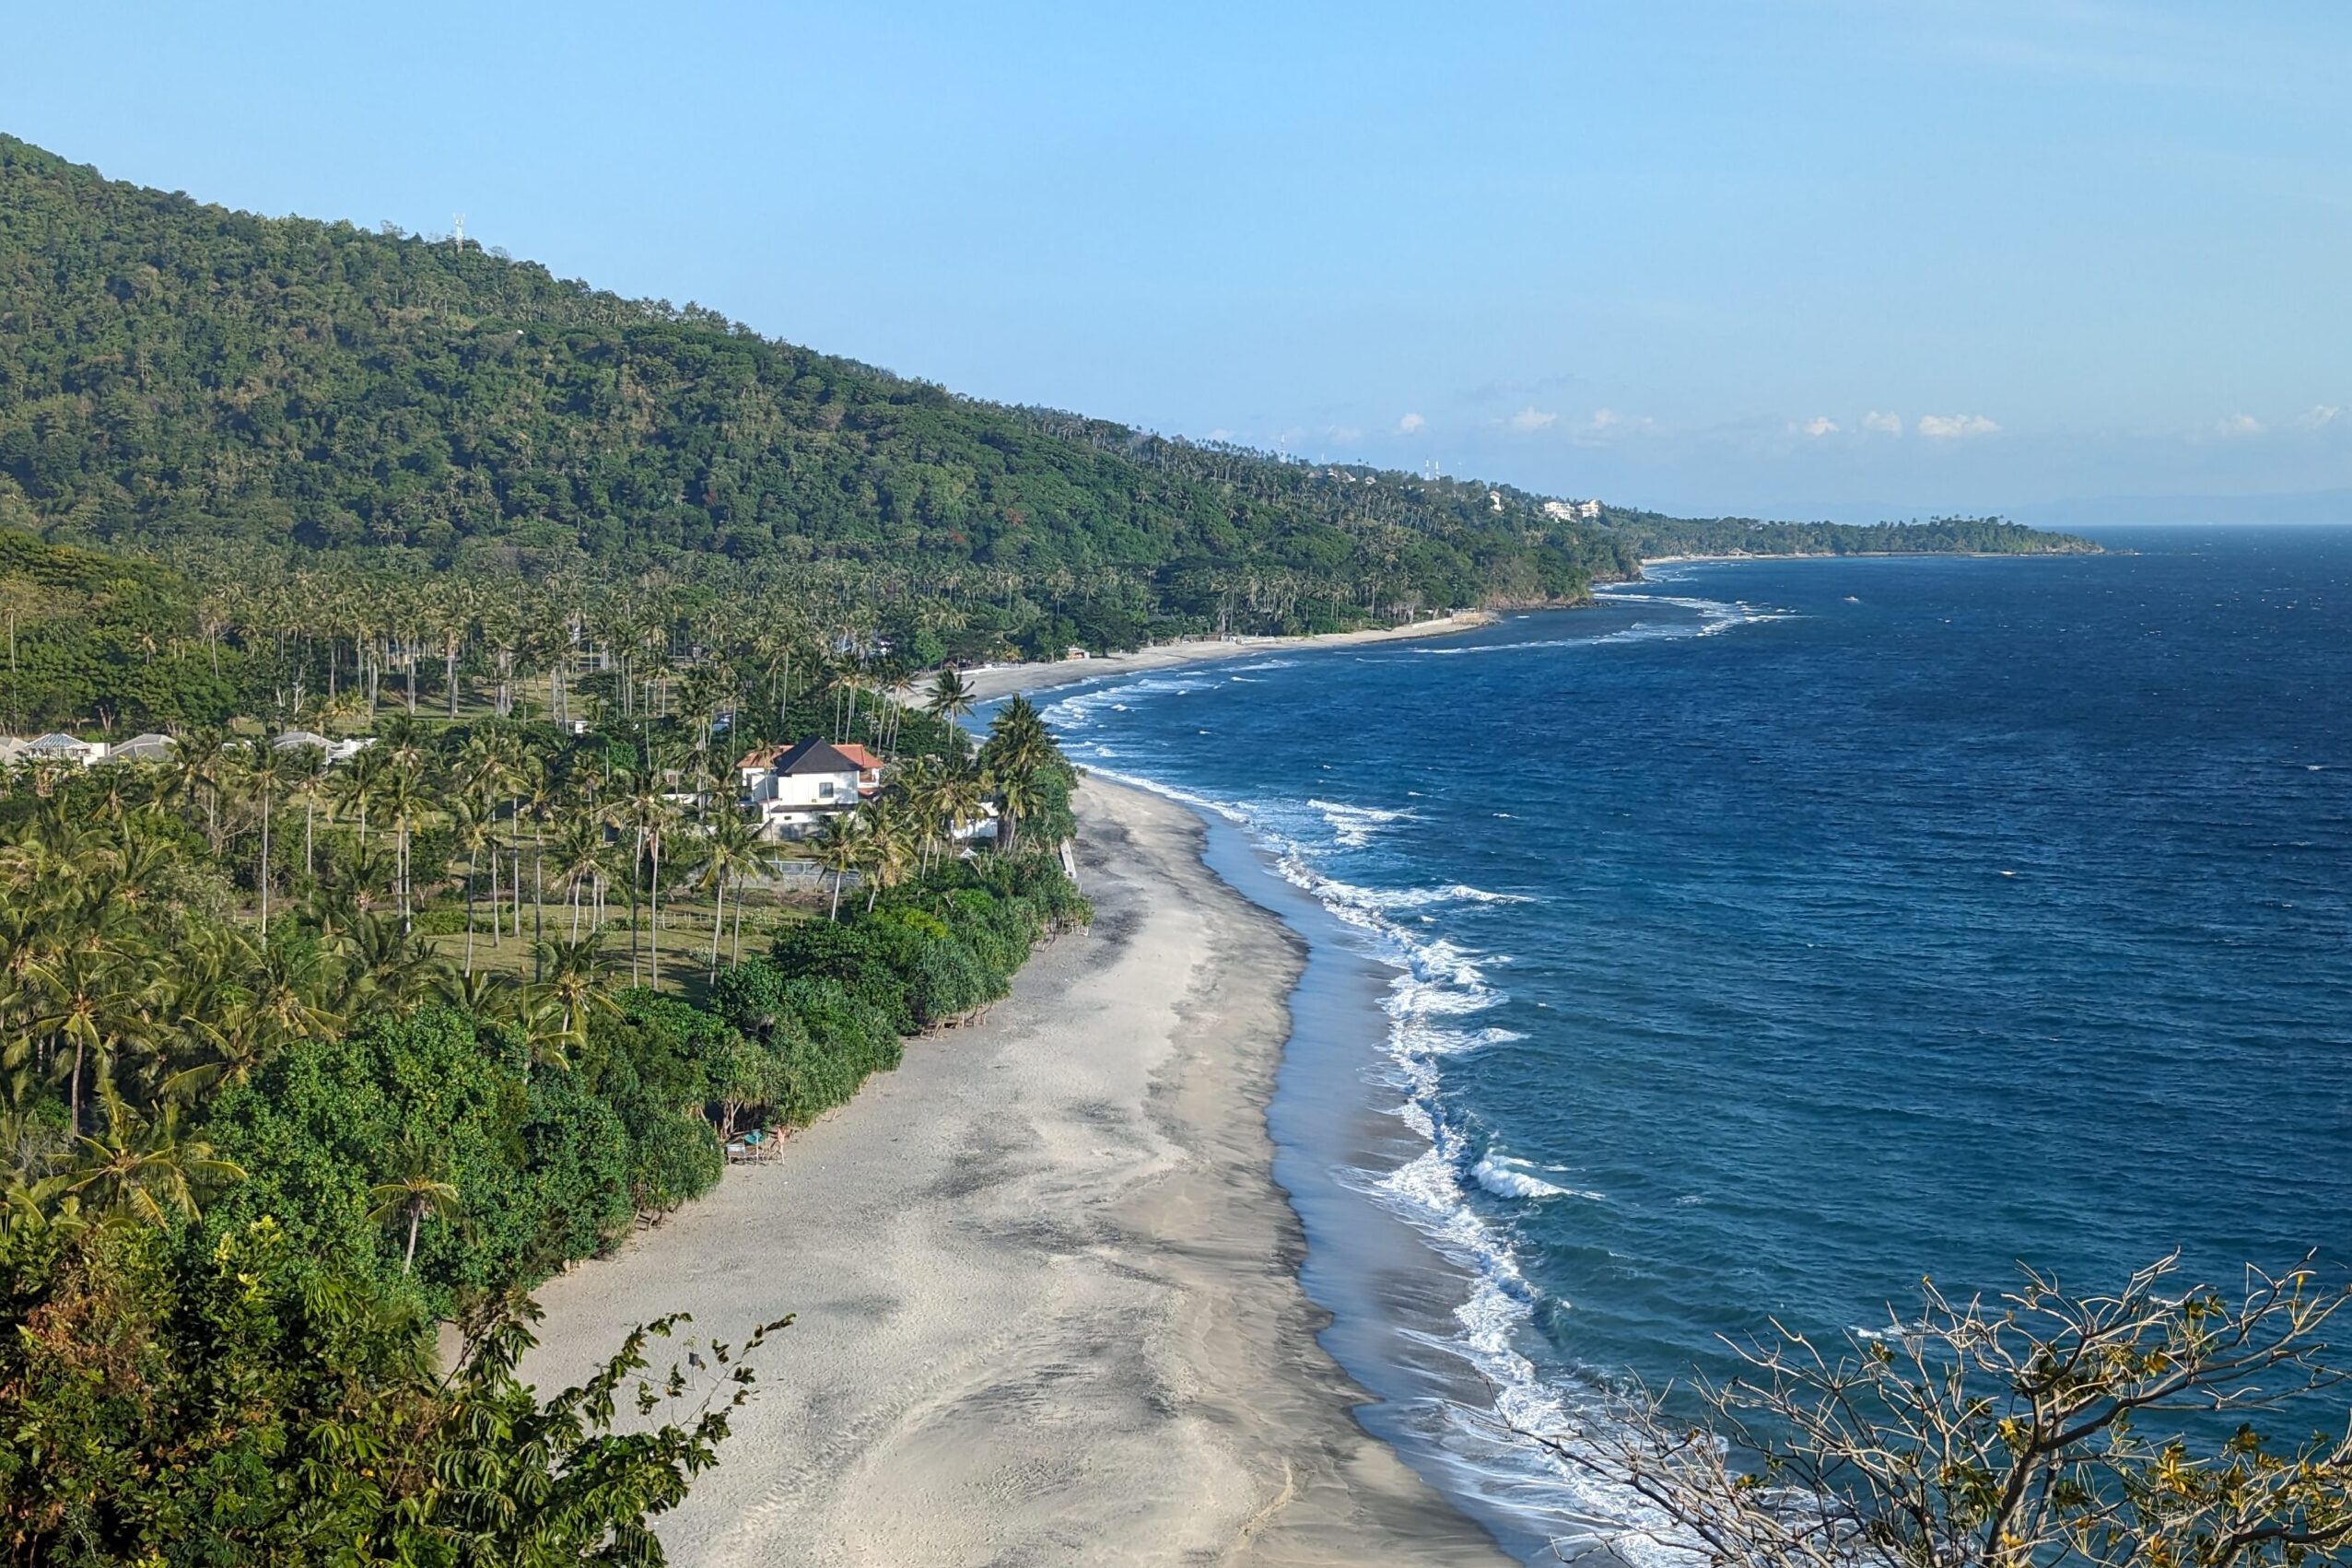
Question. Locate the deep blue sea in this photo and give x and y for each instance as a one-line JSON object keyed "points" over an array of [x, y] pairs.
{"points": [[1780, 932]]}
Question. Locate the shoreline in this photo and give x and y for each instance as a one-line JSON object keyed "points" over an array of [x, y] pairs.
{"points": [[989, 682], [1049, 1299], [1648, 561]]}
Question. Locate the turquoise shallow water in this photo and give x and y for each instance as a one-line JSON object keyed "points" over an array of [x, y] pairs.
{"points": [[1779, 932]]}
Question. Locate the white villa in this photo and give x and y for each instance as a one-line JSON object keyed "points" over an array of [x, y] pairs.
{"points": [[58, 747], [336, 752], [795, 787], [53, 748], [149, 747]]}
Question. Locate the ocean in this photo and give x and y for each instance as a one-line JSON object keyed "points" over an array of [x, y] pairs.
{"points": [[1774, 935]]}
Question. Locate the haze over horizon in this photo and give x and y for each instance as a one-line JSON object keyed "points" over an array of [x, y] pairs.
{"points": [[1817, 258]]}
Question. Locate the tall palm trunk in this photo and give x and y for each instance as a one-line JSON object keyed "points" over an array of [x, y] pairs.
{"points": [[416, 1212], [653, 954], [261, 880], [718, 919], [636, 859]]}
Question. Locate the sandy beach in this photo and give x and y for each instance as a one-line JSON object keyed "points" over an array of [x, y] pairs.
{"points": [[1000, 679], [1048, 1295]]}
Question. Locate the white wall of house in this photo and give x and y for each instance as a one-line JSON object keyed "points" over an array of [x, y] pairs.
{"points": [[802, 788]]}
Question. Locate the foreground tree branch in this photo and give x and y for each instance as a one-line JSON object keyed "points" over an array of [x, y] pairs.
{"points": [[2038, 1430]]}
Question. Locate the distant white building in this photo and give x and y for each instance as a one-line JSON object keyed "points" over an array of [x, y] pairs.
{"points": [[149, 747], [59, 747], [336, 752], [1570, 510]]}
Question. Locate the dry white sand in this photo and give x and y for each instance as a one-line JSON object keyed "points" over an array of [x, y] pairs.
{"points": [[1048, 1295], [999, 680]]}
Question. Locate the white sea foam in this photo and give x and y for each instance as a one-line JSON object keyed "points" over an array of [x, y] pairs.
{"points": [[1354, 826], [1507, 1177], [1708, 617], [1078, 710], [1437, 993]]}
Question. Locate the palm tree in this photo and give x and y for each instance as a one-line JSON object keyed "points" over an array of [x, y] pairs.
{"points": [[731, 852], [360, 784], [265, 769], [136, 1169], [89, 997], [310, 791], [473, 826], [1017, 797], [542, 799], [404, 800], [888, 848], [950, 698], [414, 1194], [486, 997], [381, 959], [193, 776], [647, 812], [579, 861], [575, 985], [958, 798], [839, 850], [1017, 749]]}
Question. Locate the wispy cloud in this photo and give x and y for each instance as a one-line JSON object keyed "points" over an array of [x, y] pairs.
{"points": [[1532, 418], [1880, 423], [2240, 425], [1818, 426], [1409, 424], [1955, 426], [2320, 417]]}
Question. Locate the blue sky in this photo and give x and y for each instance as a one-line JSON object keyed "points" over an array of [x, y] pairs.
{"points": [[1803, 257]]}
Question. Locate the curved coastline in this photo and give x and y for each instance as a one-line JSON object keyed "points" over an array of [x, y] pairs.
{"points": [[1050, 1294]]}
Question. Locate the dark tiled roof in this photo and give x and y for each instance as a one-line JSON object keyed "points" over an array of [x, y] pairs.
{"points": [[813, 756]]}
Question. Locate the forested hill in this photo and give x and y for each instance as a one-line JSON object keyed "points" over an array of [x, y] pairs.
{"points": [[170, 369], [175, 376]]}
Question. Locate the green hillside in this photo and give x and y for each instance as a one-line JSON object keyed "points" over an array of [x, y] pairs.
{"points": [[366, 451], [170, 369]]}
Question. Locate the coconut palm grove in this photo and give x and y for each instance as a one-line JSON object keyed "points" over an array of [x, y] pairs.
{"points": [[306, 1058]]}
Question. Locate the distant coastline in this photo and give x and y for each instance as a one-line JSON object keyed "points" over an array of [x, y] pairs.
{"points": [[1649, 561], [988, 681]]}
